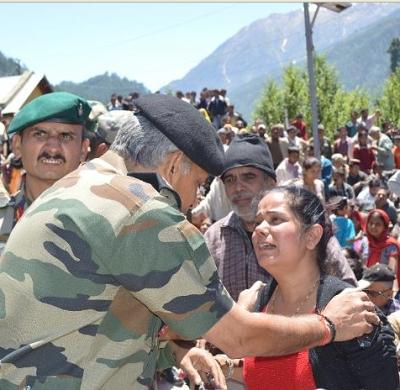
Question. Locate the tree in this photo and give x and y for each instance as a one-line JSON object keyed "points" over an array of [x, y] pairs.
{"points": [[270, 107], [334, 103], [390, 102], [295, 91], [394, 51], [327, 88]]}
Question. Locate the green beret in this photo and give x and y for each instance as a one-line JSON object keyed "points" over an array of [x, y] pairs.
{"points": [[185, 127], [60, 107]]}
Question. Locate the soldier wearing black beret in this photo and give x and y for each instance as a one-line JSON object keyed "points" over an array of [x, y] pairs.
{"points": [[47, 135], [126, 262]]}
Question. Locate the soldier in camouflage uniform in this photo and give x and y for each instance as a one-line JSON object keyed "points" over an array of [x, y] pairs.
{"points": [[48, 136], [109, 261]]}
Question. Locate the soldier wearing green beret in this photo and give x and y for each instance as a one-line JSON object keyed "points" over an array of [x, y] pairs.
{"points": [[47, 134], [110, 261]]}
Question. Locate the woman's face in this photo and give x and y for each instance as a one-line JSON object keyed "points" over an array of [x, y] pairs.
{"points": [[376, 225], [278, 239], [312, 173]]}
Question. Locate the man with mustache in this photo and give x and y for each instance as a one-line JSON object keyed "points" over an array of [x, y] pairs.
{"points": [[109, 261], [48, 135], [248, 173]]}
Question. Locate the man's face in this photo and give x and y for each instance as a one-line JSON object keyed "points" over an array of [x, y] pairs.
{"points": [[291, 133], [275, 133], [363, 139], [261, 131], [293, 157], [354, 169], [380, 292], [188, 178], [381, 197], [50, 150], [242, 186], [373, 190], [343, 132], [338, 178]]}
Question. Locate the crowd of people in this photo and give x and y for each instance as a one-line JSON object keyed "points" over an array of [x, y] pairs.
{"points": [[104, 278]]}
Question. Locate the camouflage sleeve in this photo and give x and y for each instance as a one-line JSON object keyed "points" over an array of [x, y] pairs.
{"points": [[164, 262], [166, 358]]}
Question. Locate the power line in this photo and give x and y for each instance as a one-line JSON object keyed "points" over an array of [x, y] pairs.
{"points": [[171, 27]]}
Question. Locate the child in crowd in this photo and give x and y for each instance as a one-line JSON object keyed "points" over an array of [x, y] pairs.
{"points": [[377, 282], [343, 226]]}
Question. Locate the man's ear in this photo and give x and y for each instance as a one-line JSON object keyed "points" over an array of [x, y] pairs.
{"points": [[313, 235], [101, 149], [174, 162], [16, 145], [84, 149]]}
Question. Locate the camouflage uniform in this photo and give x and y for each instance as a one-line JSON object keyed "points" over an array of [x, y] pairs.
{"points": [[108, 261]]}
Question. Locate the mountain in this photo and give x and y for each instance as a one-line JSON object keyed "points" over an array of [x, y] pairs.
{"points": [[362, 59], [263, 48], [101, 87]]}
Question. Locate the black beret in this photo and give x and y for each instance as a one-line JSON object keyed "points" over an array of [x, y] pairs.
{"points": [[186, 127], [377, 273], [249, 150]]}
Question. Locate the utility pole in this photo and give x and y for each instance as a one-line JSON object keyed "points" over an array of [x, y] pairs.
{"points": [[335, 7], [312, 82]]}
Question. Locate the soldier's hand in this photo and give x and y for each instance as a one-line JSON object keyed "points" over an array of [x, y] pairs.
{"points": [[248, 298], [352, 313], [201, 367], [197, 218]]}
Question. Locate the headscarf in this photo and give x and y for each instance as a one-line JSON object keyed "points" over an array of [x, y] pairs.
{"points": [[359, 218], [378, 244]]}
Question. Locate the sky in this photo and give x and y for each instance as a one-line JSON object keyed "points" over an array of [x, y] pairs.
{"points": [[152, 43]]}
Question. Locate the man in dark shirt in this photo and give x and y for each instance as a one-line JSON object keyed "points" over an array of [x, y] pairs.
{"points": [[356, 178]]}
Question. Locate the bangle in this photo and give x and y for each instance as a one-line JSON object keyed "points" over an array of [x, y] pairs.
{"points": [[330, 329], [231, 368]]}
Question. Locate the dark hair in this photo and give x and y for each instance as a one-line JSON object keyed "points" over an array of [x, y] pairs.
{"points": [[310, 162], [374, 183], [364, 131], [355, 262], [337, 203], [308, 209]]}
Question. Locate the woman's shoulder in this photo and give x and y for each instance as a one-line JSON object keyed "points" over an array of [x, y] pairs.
{"points": [[329, 287]]}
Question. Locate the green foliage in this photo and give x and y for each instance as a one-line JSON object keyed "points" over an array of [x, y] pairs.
{"points": [[390, 102], [334, 103], [327, 89], [394, 51], [295, 91], [270, 107]]}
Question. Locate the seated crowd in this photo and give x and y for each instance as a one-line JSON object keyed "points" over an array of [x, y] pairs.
{"points": [[348, 184]]}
